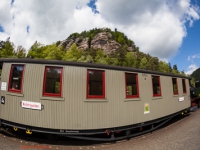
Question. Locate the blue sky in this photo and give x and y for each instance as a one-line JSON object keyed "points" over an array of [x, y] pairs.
{"points": [[189, 52], [167, 29]]}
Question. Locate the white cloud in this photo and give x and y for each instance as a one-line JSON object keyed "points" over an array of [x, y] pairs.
{"points": [[191, 58], [5, 15], [48, 21], [158, 35], [157, 27], [191, 69]]}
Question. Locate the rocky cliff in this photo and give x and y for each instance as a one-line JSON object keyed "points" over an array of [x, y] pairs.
{"points": [[103, 40]]}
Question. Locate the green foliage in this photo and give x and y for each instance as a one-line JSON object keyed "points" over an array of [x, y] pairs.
{"points": [[170, 68], [183, 73], [73, 54], [192, 81], [91, 52], [74, 35], [153, 63], [101, 57], [87, 58], [117, 57], [37, 51], [143, 63], [98, 57], [58, 43], [130, 60], [20, 52], [91, 33], [164, 67], [196, 74], [139, 55], [7, 49], [175, 70], [116, 35], [122, 39], [53, 52], [113, 61], [122, 56]]}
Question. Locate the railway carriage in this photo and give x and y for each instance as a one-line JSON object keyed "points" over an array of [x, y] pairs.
{"points": [[81, 99]]}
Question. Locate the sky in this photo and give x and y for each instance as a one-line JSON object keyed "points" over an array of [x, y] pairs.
{"points": [[167, 29]]}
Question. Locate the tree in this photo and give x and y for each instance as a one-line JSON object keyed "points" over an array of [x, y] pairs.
{"points": [[6, 49], [183, 73], [87, 58], [53, 52], [91, 52], [20, 52], [164, 67], [170, 68], [192, 81], [73, 54], [175, 70], [113, 61], [153, 63], [127, 55], [140, 56], [36, 50], [120, 55], [2, 43], [130, 60], [143, 63], [196, 74], [58, 43], [101, 57]]}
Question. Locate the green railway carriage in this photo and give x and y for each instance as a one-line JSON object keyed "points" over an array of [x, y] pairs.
{"points": [[79, 99]]}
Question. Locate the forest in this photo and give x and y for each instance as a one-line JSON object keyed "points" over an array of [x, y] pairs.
{"points": [[120, 57], [196, 75]]}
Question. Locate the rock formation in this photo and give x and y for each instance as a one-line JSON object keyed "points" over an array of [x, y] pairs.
{"points": [[103, 40]]}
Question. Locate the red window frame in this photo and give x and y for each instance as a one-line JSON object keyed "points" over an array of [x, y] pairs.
{"points": [[44, 82], [184, 86], [10, 79], [137, 86], [102, 85], [155, 95], [175, 93]]}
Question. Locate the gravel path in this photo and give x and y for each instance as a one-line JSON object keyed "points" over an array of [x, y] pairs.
{"points": [[181, 135]]}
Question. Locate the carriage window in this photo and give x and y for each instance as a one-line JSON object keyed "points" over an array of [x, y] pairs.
{"points": [[16, 78], [184, 86], [156, 86], [131, 85], [52, 84], [175, 86], [95, 84]]}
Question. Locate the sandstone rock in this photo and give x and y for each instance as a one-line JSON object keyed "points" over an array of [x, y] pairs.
{"points": [[84, 44], [102, 40], [69, 43]]}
